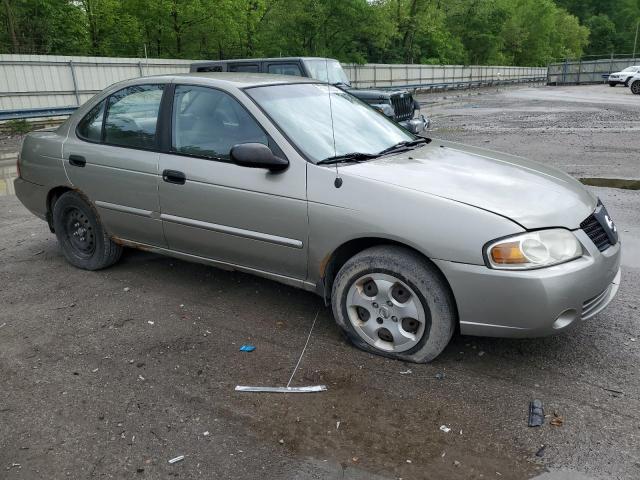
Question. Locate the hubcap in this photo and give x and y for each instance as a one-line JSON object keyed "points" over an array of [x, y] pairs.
{"points": [[635, 87], [79, 232], [385, 312]]}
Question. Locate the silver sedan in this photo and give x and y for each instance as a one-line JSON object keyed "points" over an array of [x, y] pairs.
{"points": [[408, 238]]}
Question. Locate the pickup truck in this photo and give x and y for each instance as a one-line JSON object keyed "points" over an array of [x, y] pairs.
{"points": [[397, 104]]}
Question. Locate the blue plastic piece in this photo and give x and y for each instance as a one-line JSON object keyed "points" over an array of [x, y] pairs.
{"points": [[247, 348]]}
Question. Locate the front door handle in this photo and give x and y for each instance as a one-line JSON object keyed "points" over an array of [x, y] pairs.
{"points": [[174, 176], [77, 160]]}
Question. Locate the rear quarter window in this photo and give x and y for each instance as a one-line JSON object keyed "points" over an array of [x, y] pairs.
{"points": [[90, 127]]}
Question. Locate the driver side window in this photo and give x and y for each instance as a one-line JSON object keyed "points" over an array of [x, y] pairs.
{"points": [[208, 123]]}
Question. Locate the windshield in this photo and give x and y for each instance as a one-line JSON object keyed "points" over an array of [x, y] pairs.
{"points": [[319, 69], [630, 69], [302, 112]]}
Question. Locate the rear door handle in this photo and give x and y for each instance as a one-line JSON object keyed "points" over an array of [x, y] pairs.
{"points": [[174, 176], [77, 160]]}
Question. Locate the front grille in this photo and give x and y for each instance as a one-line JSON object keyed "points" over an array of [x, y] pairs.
{"points": [[591, 226], [402, 107]]}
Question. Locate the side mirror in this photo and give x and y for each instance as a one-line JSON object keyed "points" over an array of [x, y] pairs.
{"points": [[257, 155]]}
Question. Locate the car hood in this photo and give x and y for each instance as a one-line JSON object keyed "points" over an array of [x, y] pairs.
{"points": [[531, 194]]}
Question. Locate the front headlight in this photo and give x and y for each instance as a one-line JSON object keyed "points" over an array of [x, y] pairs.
{"points": [[384, 108], [533, 250]]}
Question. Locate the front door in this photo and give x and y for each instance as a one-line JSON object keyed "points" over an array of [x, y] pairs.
{"points": [[215, 209], [112, 158]]}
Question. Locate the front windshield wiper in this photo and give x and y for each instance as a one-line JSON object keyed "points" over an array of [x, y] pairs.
{"points": [[348, 157], [404, 146]]}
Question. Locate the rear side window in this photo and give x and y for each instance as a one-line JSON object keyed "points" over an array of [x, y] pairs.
{"points": [[90, 127], [285, 69], [132, 116], [208, 123], [244, 67]]}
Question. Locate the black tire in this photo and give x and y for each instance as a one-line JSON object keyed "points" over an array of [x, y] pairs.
{"points": [[635, 87], [83, 240], [422, 277], [612, 84]]}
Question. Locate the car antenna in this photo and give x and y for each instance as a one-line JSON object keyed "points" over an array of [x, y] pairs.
{"points": [[338, 181]]}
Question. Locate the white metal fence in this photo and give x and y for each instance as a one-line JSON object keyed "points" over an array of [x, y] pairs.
{"points": [[577, 72], [434, 76], [34, 85]]}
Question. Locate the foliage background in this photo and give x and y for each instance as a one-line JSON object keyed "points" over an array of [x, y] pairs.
{"points": [[505, 32]]}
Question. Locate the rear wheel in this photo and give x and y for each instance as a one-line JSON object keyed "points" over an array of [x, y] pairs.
{"points": [[635, 87], [83, 240], [391, 301]]}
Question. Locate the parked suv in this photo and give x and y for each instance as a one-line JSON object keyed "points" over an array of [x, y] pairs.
{"points": [[396, 104], [623, 76]]}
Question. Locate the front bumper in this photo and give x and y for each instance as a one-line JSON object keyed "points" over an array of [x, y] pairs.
{"points": [[534, 303], [416, 125]]}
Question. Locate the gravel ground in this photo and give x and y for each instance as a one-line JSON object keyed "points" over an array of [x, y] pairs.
{"points": [[110, 374]]}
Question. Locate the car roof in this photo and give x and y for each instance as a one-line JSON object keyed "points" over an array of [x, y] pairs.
{"points": [[236, 79]]}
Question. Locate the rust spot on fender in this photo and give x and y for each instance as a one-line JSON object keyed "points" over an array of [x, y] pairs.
{"points": [[323, 264]]}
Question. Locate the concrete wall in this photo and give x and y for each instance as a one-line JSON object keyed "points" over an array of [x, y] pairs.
{"points": [[44, 81]]}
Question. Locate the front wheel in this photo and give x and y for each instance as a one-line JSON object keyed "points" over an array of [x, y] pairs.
{"points": [[612, 84], [83, 240], [391, 301], [635, 87]]}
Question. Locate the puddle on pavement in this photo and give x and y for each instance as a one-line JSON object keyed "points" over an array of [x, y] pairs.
{"points": [[8, 173], [611, 183]]}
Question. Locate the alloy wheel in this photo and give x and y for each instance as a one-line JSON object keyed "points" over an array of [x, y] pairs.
{"points": [[385, 312]]}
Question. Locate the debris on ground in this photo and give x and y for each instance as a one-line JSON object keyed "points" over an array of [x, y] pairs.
{"points": [[4, 324], [444, 429], [456, 463], [337, 425], [557, 420], [613, 390], [440, 376], [480, 354], [126, 289], [540, 451], [177, 459], [314, 388], [150, 322], [281, 441], [407, 372], [536, 413], [206, 434], [247, 348]]}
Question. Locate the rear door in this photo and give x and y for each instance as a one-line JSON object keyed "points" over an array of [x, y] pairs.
{"points": [[112, 157], [218, 210]]}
